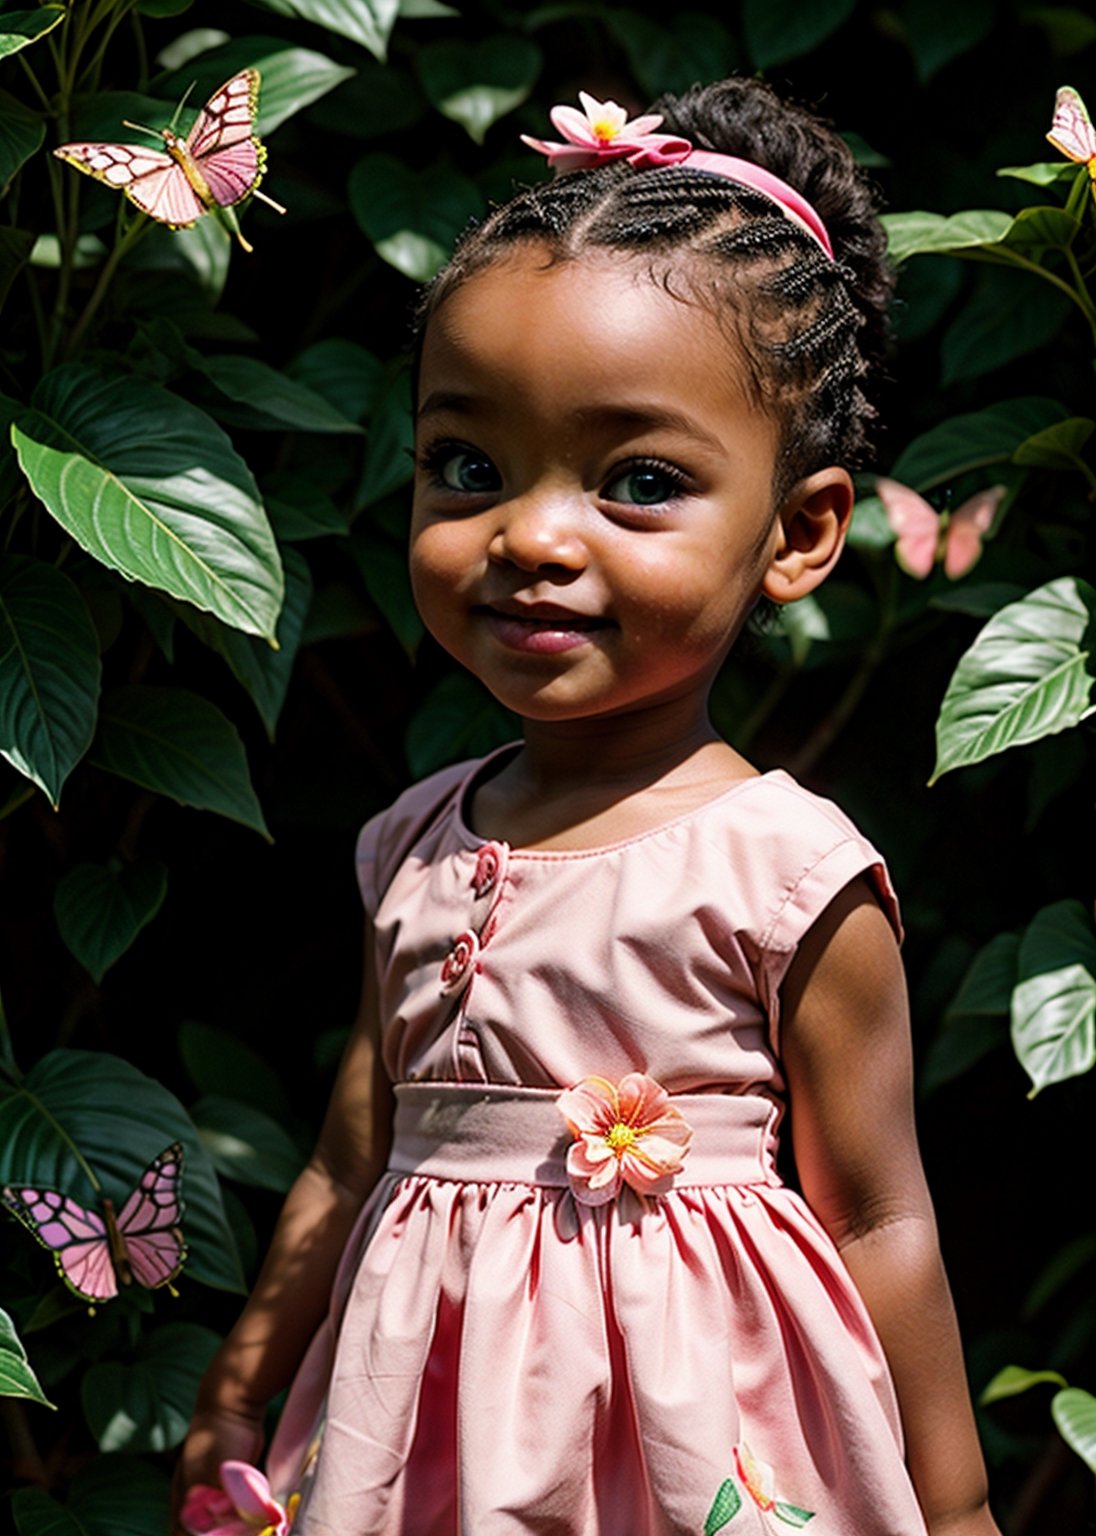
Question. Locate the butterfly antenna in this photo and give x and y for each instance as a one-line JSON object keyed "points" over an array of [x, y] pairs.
{"points": [[157, 133], [269, 201], [182, 104]]}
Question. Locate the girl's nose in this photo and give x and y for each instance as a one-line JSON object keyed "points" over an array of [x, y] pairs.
{"points": [[538, 530]]}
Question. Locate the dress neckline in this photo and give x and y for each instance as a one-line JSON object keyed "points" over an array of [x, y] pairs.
{"points": [[473, 839]]}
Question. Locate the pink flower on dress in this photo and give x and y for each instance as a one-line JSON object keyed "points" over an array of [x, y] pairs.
{"points": [[243, 1506], [458, 965], [488, 869], [629, 1134], [759, 1481], [602, 131]]}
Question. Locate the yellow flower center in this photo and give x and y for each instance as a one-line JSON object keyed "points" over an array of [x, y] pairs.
{"points": [[605, 131], [621, 1138]]}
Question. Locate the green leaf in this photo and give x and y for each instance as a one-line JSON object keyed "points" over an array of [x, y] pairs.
{"points": [[1058, 934], [1045, 174], [925, 234], [727, 1503], [1057, 447], [975, 1021], [367, 22], [791, 1514], [119, 1119], [412, 216], [1054, 1025], [1023, 678], [112, 1496], [347, 376], [22, 134], [869, 528], [49, 672], [292, 78], [1013, 1380], [16, 246], [474, 84], [163, 8], [458, 719], [384, 571], [217, 1062], [246, 1144], [298, 509], [190, 45], [18, 28], [1060, 1270], [380, 100], [1075, 1415], [974, 440], [178, 744], [277, 400], [976, 343], [100, 909], [676, 51], [151, 487], [778, 30], [16, 1377], [389, 461], [979, 599], [264, 673], [147, 1404], [938, 31]]}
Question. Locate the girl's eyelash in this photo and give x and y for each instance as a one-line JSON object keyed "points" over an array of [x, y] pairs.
{"points": [[678, 479]]}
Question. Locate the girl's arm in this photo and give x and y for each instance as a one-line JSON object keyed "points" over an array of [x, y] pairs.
{"points": [[293, 1289], [846, 1049]]}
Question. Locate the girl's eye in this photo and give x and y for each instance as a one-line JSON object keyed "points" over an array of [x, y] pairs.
{"points": [[645, 485], [466, 470]]}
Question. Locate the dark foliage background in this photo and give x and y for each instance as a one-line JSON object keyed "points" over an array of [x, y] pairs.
{"points": [[223, 965]]}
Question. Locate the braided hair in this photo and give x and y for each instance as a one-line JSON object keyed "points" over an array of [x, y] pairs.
{"points": [[810, 330]]}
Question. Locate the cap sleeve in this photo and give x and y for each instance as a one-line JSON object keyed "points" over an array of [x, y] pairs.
{"points": [[386, 839], [809, 851]]}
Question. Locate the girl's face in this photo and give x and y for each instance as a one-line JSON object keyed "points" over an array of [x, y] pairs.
{"points": [[593, 510]]}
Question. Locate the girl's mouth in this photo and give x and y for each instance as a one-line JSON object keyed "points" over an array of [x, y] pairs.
{"points": [[542, 630]]}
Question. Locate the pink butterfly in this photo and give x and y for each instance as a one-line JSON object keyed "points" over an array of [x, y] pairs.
{"points": [[95, 1251], [925, 536], [1072, 132], [218, 164]]}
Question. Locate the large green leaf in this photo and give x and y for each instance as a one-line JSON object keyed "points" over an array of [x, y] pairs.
{"points": [[388, 455], [263, 672], [178, 744], [218, 1062], [974, 440], [725, 1505], [475, 84], [18, 28], [778, 30], [343, 372], [938, 31], [1011, 1380], [367, 22], [1054, 1025], [1057, 447], [384, 571], [674, 52], [412, 216], [49, 672], [101, 908], [278, 401], [112, 1496], [247, 1144], [457, 719], [16, 1377], [927, 234], [1075, 1415], [299, 510], [16, 246], [291, 78], [150, 486], [976, 343], [146, 1404], [22, 133], [975, 1022], [1026, 676], [118, 1119]]}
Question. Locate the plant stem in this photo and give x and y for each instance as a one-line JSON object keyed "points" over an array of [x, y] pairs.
{"points": [[99, 292]]}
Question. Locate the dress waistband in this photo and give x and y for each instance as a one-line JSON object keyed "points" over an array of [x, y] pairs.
{"points": [[493, 1133]]}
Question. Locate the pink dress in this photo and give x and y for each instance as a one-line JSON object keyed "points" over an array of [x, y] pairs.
{"points": [[503, 1359]]}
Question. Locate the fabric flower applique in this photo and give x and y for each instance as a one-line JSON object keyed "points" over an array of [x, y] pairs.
{"points": [[243, 1506], [624, 1134], [602, 131], [459, 964], [758, 1480], [490, 862]]}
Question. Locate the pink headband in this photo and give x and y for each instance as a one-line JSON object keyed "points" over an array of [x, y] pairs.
{"points": [[602, 132]]}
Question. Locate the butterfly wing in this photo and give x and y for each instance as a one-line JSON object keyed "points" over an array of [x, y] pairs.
{"points": [[1071, 131], [966, 528], [77, 1238], [222, 142], [150, 178], [148, 1222], [915, 524]]}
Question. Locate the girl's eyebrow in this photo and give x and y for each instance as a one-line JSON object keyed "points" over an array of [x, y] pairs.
{"points": [[595, 417]]}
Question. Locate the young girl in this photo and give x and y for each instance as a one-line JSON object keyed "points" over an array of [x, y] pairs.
{"points": [[602, 962]]}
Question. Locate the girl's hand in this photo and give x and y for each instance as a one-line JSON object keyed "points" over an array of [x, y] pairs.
{"points": [[215, 1435]]}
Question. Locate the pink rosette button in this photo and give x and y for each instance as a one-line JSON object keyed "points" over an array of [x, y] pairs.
{"points": [[627, 1133], [460, 962], [490, 866]]}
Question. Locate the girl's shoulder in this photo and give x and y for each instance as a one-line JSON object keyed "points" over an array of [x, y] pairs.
{"points": [[387, 836]]}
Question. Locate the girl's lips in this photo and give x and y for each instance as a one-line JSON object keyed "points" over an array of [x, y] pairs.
{"points": [[543, 633]]}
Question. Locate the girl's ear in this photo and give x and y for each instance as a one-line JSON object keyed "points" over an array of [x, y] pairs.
{"points": [[811, 527]]}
